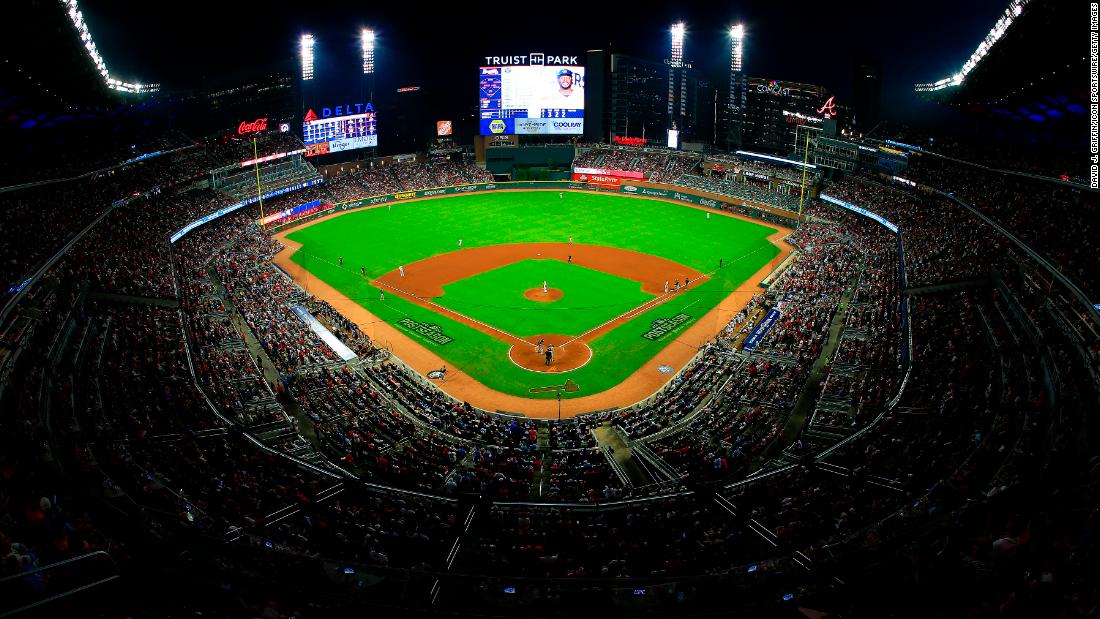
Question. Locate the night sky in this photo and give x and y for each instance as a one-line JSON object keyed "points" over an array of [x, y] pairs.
{"points": [[200, 43]]}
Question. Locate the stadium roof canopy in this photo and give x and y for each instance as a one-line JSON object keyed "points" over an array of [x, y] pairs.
{"points": [[52, 71], [1028, 68]]}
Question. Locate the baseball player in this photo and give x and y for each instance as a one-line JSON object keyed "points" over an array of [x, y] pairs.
{"points": [[381, 295], [570, 259], [549, 354], [561, 195], [708, 214], [538, 347], [401, 270], [363, 270], [544, 286], [460, 243], [341, 261], [666, 286], [570, 240], [720, 261]]}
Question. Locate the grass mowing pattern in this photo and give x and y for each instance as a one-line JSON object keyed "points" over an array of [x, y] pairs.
{"points": [[381, 239], [589, 297]]}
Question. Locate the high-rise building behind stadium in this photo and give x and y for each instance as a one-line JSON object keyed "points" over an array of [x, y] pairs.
{"points": [[775, 111], [638, 101], [867, 98]]}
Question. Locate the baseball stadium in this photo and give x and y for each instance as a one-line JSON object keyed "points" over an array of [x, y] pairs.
{"points": [[774, 310]]}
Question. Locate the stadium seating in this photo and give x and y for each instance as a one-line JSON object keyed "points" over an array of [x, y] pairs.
{"points": [[918, 390]]}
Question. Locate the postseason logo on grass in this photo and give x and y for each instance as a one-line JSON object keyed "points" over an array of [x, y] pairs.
{"points": [[664, 326], [428, 331]]}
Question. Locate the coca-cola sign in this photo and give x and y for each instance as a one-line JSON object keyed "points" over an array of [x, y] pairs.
{"points": [[260, 124], [627, 141]]}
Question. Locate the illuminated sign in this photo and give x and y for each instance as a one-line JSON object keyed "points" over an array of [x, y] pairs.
{"points": [[597, 179], [272, 157], [540, 98], [534, 59], [443, 127], [260, 124], [673, 138], [773, 87], [332, 134], [800, 119], [625, 141], [408, 89], [347, 109], [605, 172], [829, 109]]}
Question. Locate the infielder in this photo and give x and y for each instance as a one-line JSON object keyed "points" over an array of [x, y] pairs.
{"points": [[460, 243], [666, 286], [544, 287], [401, 270]]}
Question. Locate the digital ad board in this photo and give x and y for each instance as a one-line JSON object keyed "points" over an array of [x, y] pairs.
{"points": [[532, 99], [339, 128]]}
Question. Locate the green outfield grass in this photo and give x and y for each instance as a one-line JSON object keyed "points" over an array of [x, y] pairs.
{"points": [[589, 297], [382, 238]]}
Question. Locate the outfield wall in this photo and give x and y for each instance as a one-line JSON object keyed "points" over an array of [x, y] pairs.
{"points": [[633, 188]]}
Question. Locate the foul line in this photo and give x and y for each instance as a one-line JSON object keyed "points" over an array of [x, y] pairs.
{"points": [[447, 310], [648, 305]]}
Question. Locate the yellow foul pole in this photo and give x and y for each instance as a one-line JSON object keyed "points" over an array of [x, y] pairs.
{"points": [[805, 160], [259, 194]]}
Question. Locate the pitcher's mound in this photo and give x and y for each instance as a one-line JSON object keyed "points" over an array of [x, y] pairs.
{"points": [[536, 294], [571, 357]]}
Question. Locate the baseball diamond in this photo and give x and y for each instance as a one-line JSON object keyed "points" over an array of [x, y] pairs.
{"points": [[605, 312]]}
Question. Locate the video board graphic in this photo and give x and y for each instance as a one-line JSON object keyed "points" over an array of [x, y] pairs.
{"points": [[333, 133], [532, 100]]}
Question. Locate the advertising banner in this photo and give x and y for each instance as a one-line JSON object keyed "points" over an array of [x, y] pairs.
{"points": [[610, 182], [620, 173], [548, 126]]}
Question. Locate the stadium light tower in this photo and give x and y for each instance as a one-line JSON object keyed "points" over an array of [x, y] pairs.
{"points": [[738, 88], [737, 49], [676, 65], [367, 38], [677, 45], [307, 57]]}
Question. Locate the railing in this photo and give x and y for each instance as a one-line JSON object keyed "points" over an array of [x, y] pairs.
{"points": [[38, 587]]}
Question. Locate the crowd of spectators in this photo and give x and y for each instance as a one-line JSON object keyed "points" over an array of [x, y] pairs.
{"points": [[1059, 222], [781, 197], [105, 387], [943, 242], [659, 166]]}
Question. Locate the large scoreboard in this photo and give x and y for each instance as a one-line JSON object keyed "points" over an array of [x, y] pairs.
{"points": [[532, 99], [340, 128]]}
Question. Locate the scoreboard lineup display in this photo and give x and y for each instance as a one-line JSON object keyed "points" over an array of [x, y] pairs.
{"points": [[333, 133], [532, 100]]}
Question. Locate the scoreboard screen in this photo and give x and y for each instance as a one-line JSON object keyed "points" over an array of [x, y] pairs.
{"points": [[333, 133], [532, 100]]}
